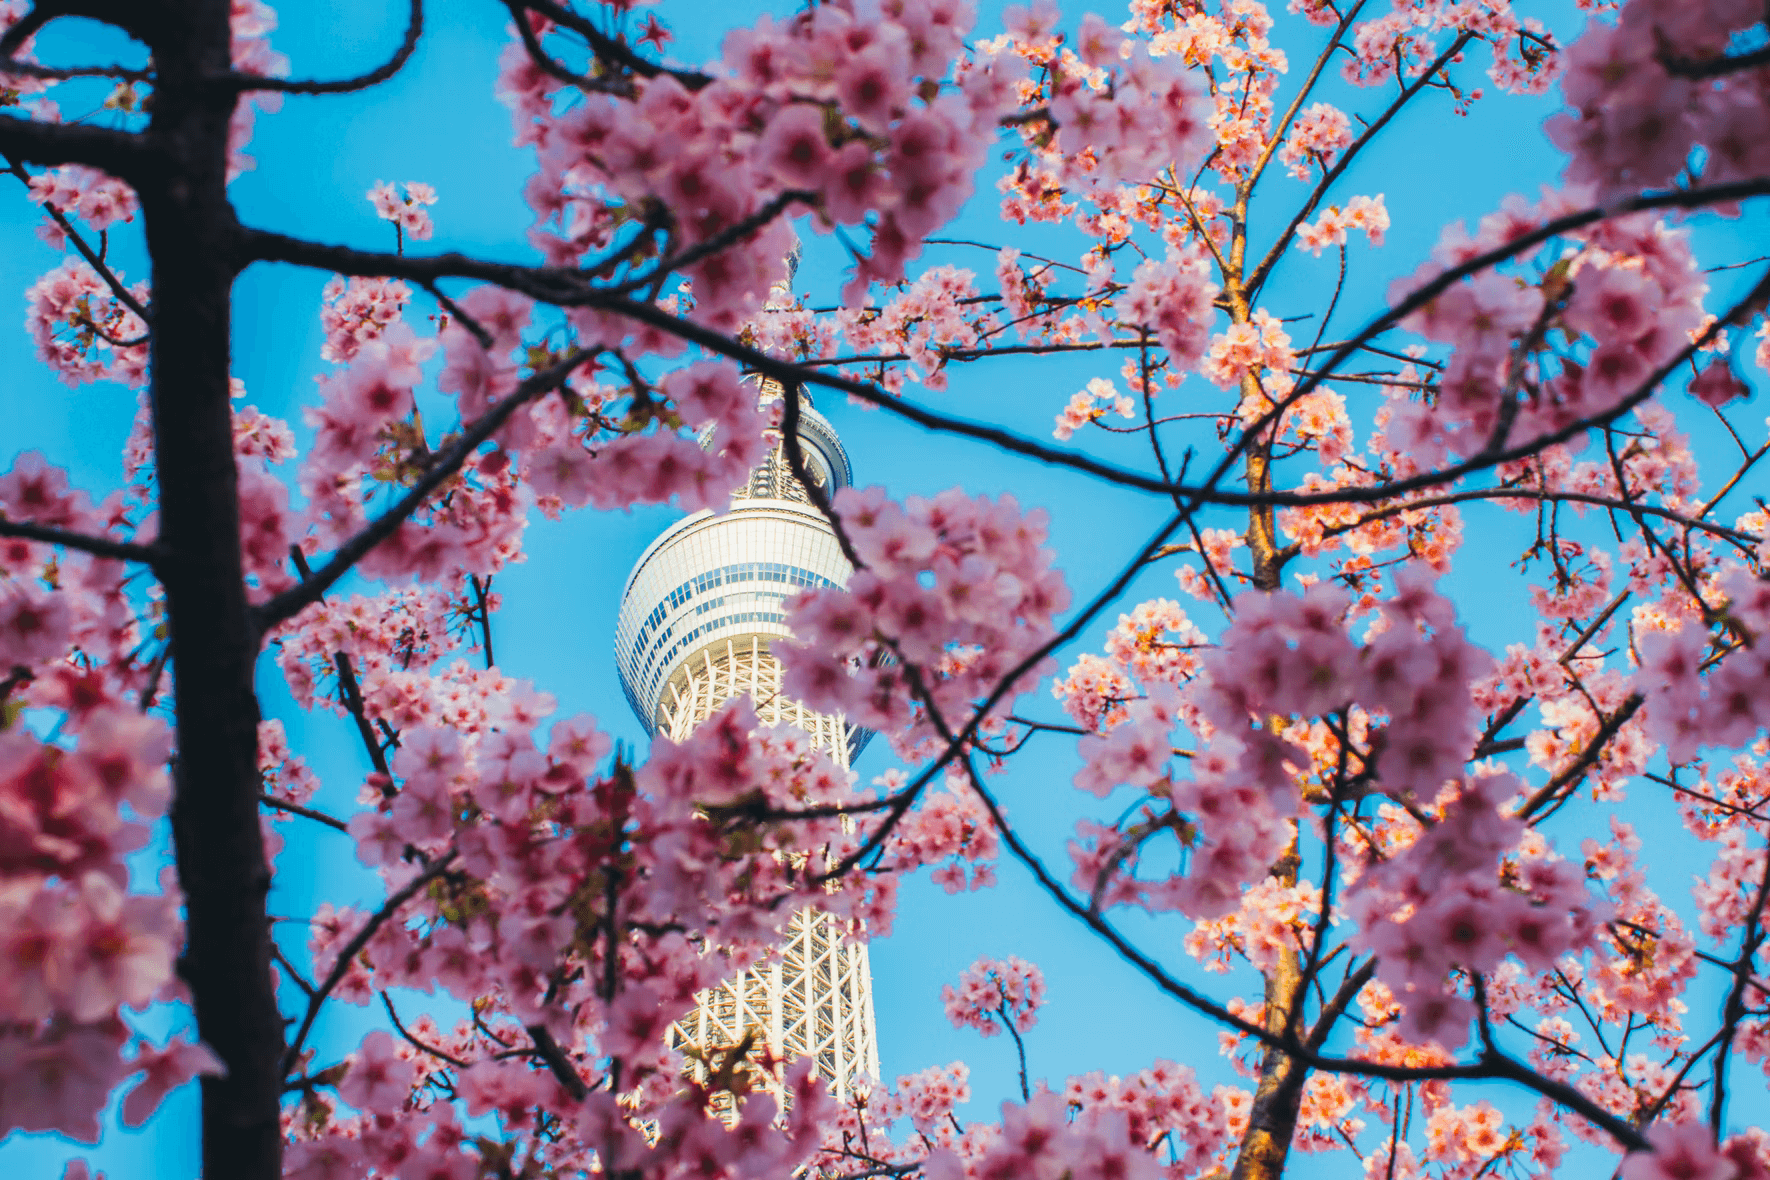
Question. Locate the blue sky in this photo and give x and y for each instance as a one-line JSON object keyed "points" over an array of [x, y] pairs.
{"points": [[438, 122]]}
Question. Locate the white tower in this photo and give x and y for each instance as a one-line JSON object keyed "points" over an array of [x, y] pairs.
{"points": [[697, 616]]}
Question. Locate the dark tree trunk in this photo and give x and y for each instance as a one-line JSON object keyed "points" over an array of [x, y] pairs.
{"points": [[191, 238]]}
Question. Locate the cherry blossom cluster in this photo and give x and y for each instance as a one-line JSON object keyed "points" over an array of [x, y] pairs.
{"points": [[1273, 918], [996, 994], [83, 331], [1158, 1122], [1249, 349], [926, 1099], [1318, 135], [1166, 1109], [1115, 111], [1458, 913], [1155, 644], [949, 828], [1172, 297], [924, 317], [1687, 709], [1630, 296], [1330, 229], [952, 593], [1643, 100], [410, 210], [99, 200], [397, 643], [1040, 1136], [1284, 656], [849, 114], [1525, 57], [1090, 405], [358, 310], [82, 946], [1689, 1149]]}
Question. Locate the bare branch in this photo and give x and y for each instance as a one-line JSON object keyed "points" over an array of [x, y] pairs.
{"points": [[27, 69], [1714, 67], [97, 546], [304, 812], [544, 61], [381, 73], [352, 693], [121, 153], [557, 1062]]}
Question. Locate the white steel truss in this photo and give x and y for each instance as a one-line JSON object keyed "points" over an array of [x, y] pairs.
{"points": [[816, 999]]}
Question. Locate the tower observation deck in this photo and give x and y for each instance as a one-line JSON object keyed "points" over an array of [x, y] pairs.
{"points": [[698, 614]]}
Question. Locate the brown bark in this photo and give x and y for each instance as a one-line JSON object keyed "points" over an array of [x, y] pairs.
{"points": [[1272, 1121]]}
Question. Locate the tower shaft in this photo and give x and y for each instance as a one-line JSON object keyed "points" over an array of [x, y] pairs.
{"points": [[697, 616], [816, 1000]]}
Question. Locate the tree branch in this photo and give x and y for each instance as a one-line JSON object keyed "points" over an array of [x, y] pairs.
{"points": [[387, 1003], [98, 264], [304, 812], [610, 48], [441, 470], [352, 693], [1734, 1010], [570, 288], [1551, 791], [26, 69], [1714, 67], [381, 73], [121, 153], [557, 1062], [354, 947], [148, 555], [1258, 278]]}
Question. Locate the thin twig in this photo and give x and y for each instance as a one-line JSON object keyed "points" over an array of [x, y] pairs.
{"points": [[387, 1003], [354, 947], [304, 812]]}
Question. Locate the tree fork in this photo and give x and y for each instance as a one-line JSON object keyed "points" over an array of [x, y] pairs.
{"points": [[191, 238]]}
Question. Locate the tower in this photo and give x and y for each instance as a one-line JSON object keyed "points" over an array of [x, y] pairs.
{"points": [[697, 616]]}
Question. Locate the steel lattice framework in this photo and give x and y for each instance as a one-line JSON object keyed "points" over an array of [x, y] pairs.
{"points": [[698, 614]]}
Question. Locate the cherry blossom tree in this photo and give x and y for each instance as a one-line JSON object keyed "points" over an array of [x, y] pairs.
{"points": [[1316, 774]]}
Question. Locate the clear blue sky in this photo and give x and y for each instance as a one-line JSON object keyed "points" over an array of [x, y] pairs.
{"points": [[438, 122]]}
